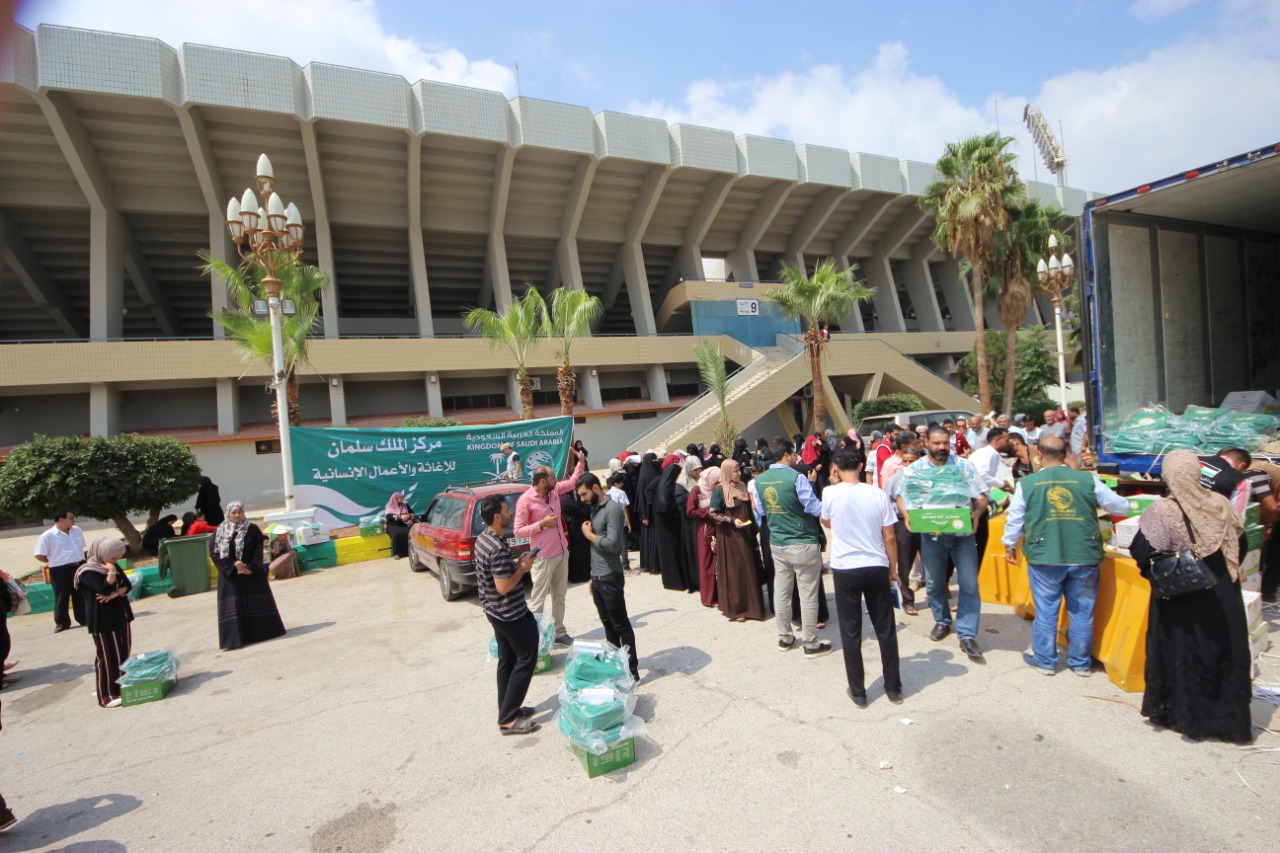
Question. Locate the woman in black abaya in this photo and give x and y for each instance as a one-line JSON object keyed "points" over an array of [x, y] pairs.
{"points": [[575, 512], [646, 483], [686, 482], [666, 520]]}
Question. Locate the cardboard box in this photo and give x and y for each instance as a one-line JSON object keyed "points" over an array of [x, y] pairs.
{"points": [[150, 691], [1139, 503], [1251, 583], [1255, 533], [1249, 402], [372, 529], [622, 755], [1251, 563], [1252, 606], [310, 534], [941, 519], [1252, 514], [1124, 533]]}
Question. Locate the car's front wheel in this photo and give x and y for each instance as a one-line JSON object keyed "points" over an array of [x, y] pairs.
{"points": [[415, 564]]}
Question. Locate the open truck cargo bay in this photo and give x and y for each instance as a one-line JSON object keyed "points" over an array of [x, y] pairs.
{"points": [[1182, 293]]}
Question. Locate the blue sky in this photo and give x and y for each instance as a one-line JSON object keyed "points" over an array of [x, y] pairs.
{"points": [[1140, 89]]}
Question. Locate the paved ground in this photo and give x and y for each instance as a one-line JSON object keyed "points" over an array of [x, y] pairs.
{"points": [[370, 727]]}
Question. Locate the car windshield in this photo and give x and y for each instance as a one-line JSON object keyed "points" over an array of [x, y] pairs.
{"points": [[477, 523]]}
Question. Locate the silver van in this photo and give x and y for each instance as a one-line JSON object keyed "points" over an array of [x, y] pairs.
{"points": [[909, 419]]}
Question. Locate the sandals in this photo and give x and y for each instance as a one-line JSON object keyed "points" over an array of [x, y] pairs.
{"points": [[910, 609], [522, 726], [526, 712]]}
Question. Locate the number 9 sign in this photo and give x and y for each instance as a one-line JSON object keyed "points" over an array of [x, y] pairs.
{"points": [[748, 307]]}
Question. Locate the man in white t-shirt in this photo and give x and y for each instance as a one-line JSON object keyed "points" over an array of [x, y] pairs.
{"points": [[864, 562]]}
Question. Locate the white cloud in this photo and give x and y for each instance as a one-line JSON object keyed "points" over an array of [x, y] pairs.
{"points": [[341, 32], [1149, 10], [1178, 107]]}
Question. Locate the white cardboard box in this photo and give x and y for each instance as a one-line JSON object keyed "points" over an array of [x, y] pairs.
{"points": [[1124, 533], [1251, 583], [1250, 402], [1252, 606], [1249, 565]]}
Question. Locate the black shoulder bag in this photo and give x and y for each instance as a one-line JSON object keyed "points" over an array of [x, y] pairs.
{"points": [[1179, 572]]}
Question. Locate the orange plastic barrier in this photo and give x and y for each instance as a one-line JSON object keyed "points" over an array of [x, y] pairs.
{"points": [[1119, 618]]}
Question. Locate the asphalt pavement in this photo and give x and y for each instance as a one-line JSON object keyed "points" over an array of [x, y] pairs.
{"points": [[372, 726]]}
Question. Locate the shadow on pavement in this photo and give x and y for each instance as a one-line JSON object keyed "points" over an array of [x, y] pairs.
{"points": [[103, 846], [57, 673], [49, 825], [1007, 631], [307, 629], [924, 668], [664, 662], [188, 683]]}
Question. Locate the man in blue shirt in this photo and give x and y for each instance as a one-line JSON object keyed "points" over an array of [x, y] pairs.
{"points": [[962, 548]]}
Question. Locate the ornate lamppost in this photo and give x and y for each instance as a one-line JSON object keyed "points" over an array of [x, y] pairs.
{"points": [[270, 237], [1056, 277]]}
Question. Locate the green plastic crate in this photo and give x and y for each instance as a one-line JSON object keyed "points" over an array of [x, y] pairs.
{"points": [[150, 691], [372, 529], [622, 755], [40, 597]]}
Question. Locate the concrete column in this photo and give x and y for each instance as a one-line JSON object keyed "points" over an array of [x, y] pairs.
{"points": [[435, 401], [106, 274], [337, 401], [222, 249], [853, 322], [590, 384], [956, 291], [228, 406], [569, 264], [513, 393], [889, 310], [329, 299], [499, 273], [920, 286], [637, 279], [742, 264], [657, 379], [104, 410], [417, 250]]}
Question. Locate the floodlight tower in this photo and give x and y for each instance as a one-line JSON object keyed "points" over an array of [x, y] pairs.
{"points": [[1055, 159]]}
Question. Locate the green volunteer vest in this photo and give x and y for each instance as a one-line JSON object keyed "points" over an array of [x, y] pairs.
{"points": [[789, 524], [1061, 524]]}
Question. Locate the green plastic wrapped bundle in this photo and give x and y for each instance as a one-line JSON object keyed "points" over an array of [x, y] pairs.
{"points": [[594, 709], [1249, 423], [1129, 441], [546, 637], [933, 486], [1151, 417], [1165, 440], [1200, 416], [159, 665], [597, 665]]}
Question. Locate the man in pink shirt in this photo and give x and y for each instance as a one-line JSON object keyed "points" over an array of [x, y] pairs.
{"points": [[882, 453], [538, 518], [895, 463]]}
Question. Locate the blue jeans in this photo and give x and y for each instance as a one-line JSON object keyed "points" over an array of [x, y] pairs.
{"points": [[1048, 586], [963, 551]]}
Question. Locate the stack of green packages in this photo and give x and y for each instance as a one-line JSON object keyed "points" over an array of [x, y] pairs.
{"points": [[941, 485], [148, 677], [596, 705], [1201, 430]]}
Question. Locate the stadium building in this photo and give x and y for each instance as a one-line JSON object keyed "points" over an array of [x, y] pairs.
{"points": [[118, 155]]}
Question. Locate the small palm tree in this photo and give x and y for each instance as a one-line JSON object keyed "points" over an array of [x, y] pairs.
{"points": [[300, 282], [569, 314], [825, 297], [971, 205], [514, 328], [1030, 225], [711, 367]]}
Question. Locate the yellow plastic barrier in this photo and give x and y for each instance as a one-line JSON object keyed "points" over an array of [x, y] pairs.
{"points": [[1001, 583], [357, 549]]}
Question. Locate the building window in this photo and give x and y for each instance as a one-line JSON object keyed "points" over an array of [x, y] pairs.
{"points": [[269, 445], [546, 398], [638, 416], [689, 389], [630, 392], [474, 401], [579, 420]]}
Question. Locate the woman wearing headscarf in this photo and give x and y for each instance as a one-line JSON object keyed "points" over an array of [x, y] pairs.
{"points": [[758, 455], [399, 516], [738, 569], [666, 524], [698, 510], [284, 560], [1198, 661], [104, 588], [646, 484], [575, 512], [715, 456], [687, 483], [742, 455], [209, 502], [193, 524], [162, 529], [246, 608]]}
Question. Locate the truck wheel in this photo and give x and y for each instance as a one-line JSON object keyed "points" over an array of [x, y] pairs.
{"points": [[415, 565], [448, 589]]}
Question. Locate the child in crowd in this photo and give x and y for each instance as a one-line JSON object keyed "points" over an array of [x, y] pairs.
{"points": [[618, 496]]}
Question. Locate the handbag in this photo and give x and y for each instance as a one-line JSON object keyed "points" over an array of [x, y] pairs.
{"points": [[1179, 572]]}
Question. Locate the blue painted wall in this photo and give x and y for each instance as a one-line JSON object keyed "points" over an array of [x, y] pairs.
{"points": [[721, 318]]}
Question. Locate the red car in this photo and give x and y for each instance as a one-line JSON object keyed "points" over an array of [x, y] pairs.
{"points": [[445, 539]]}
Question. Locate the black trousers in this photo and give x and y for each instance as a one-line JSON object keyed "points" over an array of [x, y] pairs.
{"points": [[62, 579], [908, 550], [608, 592], [1271, 563], [852, 587], [517, 657]]}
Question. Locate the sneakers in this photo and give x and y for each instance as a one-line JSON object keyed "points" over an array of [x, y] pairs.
{"points": [[1030, 660], [818, 649], [114, 703], [785, 644], [859, 699], [7, 819], [564, 641], [1084, 671]]}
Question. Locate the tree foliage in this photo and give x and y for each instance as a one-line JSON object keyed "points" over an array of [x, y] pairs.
{"points": [[420, 422], [515, 329], [567, 315], [886, 404], [106, 479], [715, 375], [1034, 369], [827, 296]]}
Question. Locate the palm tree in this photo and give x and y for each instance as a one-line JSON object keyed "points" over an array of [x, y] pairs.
{"points": [[825, 297], [715, 376], [516, 329], [971, 205], [1030, 224], [300, 282], [569, 314]]}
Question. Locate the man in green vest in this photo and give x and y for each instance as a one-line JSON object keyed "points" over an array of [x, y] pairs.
{"points": [[788, 501], [1056, 511]]}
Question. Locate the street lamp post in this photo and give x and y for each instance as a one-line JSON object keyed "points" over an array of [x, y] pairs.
{"points": [[270, 237], [1056, 277]]}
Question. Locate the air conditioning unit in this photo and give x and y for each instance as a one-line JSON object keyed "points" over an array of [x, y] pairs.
{"points": [[808, 392], [535, 382]]}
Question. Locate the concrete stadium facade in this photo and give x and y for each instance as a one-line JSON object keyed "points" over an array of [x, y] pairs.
{"points": [[118, 154]]}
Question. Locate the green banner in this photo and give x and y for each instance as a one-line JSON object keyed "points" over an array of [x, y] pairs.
{"points": [[349, 473]]}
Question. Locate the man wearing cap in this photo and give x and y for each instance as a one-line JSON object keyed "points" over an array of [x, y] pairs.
{"points": [[513, 462]]}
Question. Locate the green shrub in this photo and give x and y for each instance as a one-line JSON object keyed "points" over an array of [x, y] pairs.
{"points": [[886, 405], [420, 422]]}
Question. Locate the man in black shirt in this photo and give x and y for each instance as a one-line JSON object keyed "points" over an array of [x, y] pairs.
{"points": [[502, 595], [1224, 474]]}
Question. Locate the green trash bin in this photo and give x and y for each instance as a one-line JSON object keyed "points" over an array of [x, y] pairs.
{"points": [[186, 558]]}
